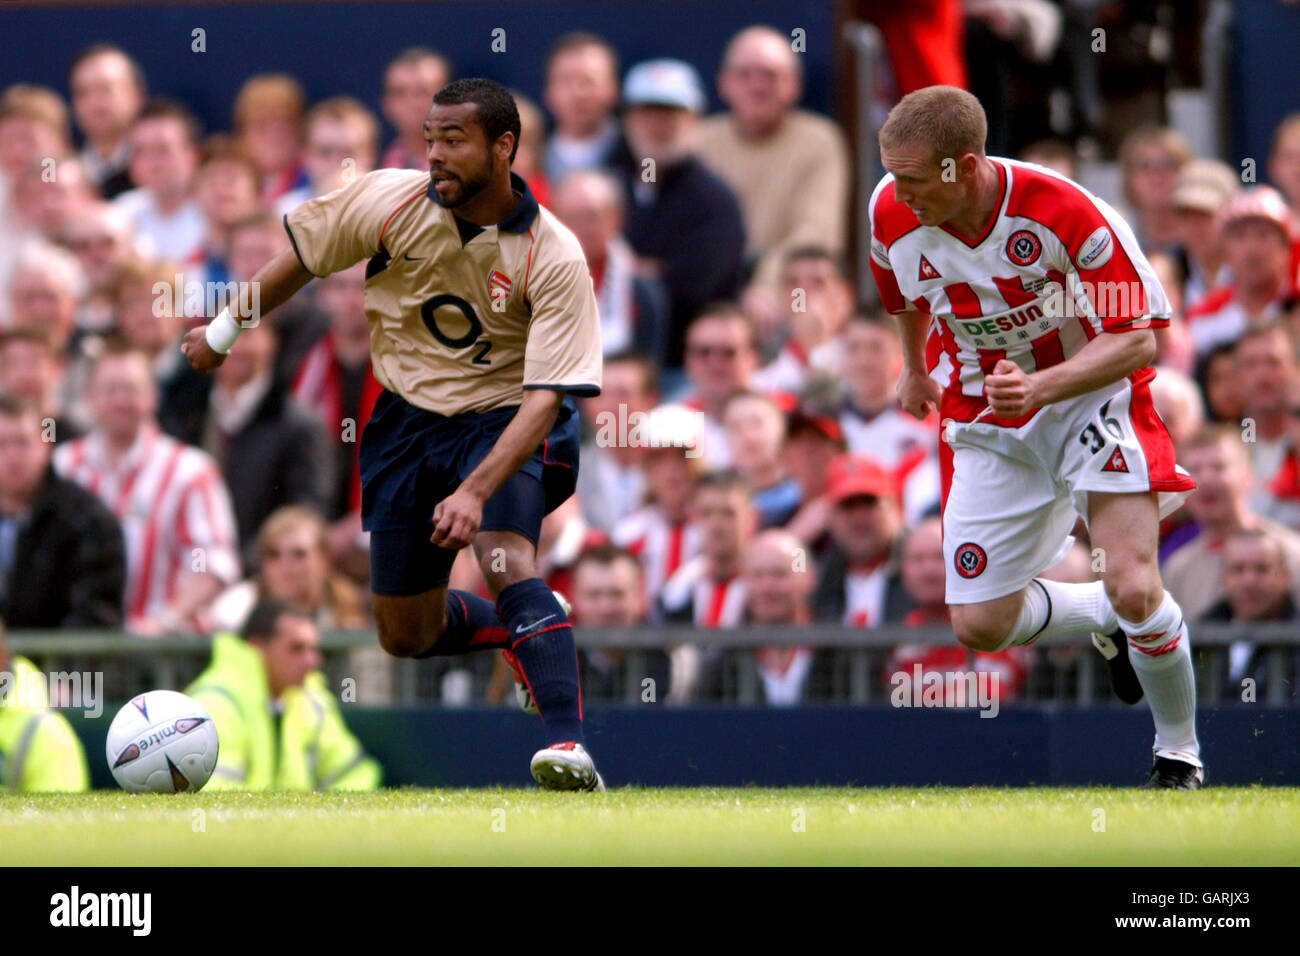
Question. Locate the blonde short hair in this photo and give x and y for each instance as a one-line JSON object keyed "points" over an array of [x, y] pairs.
{"points": [[269, 94], [949, 120], [38, 103]]}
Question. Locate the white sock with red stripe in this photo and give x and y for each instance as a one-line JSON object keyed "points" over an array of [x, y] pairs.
{"points": [[1053, 608], [1161, 655]]}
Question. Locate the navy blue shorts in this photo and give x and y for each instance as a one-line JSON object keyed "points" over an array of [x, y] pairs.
{"points": [[411, 459]]}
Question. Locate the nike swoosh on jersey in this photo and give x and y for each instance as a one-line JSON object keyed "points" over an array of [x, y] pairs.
{"points": [[528, 627]]}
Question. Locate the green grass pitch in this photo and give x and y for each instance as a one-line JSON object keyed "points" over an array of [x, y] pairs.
{"points": [[939, 826]]}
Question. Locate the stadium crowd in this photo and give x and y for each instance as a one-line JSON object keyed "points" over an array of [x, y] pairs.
{"points": [[746, 462]]}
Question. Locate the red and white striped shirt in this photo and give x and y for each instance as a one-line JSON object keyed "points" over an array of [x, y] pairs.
{"points": [[661, 546], [1054, 267], [174, 510], [713, 602]]}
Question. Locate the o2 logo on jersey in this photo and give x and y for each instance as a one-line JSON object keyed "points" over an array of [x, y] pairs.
{"points": [[1024, 247], [429, 313], [970, 560]]}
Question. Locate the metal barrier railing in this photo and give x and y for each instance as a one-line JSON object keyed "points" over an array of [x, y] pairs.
{"points": [[1067, 670]]}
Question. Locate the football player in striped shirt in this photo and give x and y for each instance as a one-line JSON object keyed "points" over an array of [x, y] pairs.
{"points": [[1026, 310], [483, 321]]}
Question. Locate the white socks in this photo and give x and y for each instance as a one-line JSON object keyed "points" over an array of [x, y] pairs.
{"points": [[1053, 608], [1162, 658]]}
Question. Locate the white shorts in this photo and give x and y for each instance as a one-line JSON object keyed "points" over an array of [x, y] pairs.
{"points": [[1016, 492]]}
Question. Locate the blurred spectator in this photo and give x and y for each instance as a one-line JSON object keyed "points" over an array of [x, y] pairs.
{"points": [[1284, 159], [1054, 154], [280, 725], [755, 429], [1014, 42], [721, 355], [532, 144], [1217, 459], [706, 591], [102, 238], [633, 307], [874, 425], [164, 155], [580, 93], [1284, 487], [1175, 348], [923, 40], [788, 167], [294, 567], [1151, 158], [33, 128], [611, 482], [922, 573], [921, 570], [859, 583], [32, 369], [1255, 583], [779, 580], [1257, 230], [813, 440], [1216, 374], [33, 134], [607, 592], [659, 532], [47, 282], [817, 302], [62, 562], [1266, 363], [227, 189], [268, 124], [1178, 402], [108, 91], [336, 382], [1203, 188], [342, 145], [564, 535], [39, 750], [410, 81], [271, 451], [684, 223], [169, 498], [299, 323], [143, 299], [49, 196]]}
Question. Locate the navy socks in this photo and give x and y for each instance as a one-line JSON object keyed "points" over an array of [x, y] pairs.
{"points": [[541, 638]]}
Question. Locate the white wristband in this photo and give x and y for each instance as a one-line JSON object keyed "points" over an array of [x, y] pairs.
{"points": [[222, 332]]}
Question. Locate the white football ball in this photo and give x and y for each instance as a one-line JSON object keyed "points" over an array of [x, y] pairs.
{"points": [[162, 742]]}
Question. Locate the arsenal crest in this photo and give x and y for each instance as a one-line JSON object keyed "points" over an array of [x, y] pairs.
{"points": [[498, 285]]}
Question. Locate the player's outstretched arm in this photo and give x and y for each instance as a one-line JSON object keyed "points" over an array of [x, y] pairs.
{"points": [[277, 281], [1106, 359], [457, 517]]}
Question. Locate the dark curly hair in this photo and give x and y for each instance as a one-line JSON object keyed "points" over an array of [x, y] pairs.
{"points": [[497, 112]]}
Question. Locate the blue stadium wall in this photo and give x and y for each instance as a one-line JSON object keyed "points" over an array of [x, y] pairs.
{"points": [[878, 746], [342, 48]]}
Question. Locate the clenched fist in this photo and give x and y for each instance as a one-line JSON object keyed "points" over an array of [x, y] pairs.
{"points": [[1009, 390], [918, 394], [202, 356]]}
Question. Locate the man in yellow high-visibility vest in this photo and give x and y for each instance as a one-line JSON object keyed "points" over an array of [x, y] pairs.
{"points": [[39, 751], [279, 726]]}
